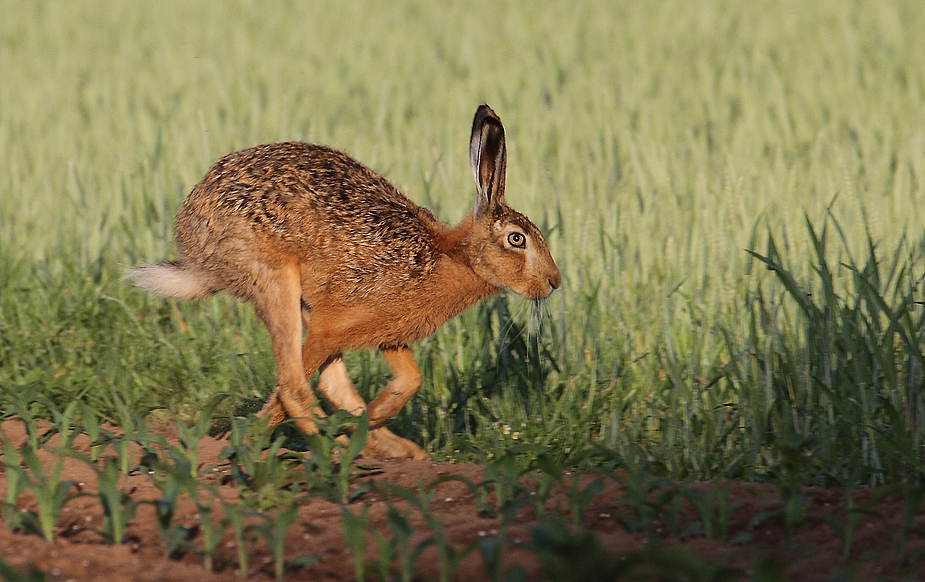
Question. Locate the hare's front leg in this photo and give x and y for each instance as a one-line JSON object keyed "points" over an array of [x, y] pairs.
{"points": [[404, 384], [277, 301], [335, 385]]}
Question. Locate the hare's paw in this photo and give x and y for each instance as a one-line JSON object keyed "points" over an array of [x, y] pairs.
{"points": [[301, 408], [381, 442], [273, 410]]}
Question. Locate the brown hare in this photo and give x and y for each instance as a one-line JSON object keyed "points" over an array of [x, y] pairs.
{"points": [[321, 244]]}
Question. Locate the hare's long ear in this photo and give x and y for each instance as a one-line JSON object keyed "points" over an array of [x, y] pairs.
{"points": [[488, 157]]}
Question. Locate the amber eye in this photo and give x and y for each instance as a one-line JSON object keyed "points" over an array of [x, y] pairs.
{"points": [[517, 240]]}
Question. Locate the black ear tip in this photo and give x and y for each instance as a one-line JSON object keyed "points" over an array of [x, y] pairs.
{"points": [[483, 113]]}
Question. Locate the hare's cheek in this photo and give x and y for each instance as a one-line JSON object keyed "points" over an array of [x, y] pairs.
{"points": [[519, 269], [514, 261]]}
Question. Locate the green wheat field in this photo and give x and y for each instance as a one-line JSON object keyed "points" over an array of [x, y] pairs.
{"points": [[734, 192]]}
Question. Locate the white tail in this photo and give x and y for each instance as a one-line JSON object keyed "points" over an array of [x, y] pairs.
{"points": [[169, 279]]}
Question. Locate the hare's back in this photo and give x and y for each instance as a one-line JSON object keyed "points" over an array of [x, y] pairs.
{"points": [[272, 178], [313, 201]]}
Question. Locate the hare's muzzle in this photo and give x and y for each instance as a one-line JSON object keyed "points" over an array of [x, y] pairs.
{"points": [[545, 285], [555, 280]]}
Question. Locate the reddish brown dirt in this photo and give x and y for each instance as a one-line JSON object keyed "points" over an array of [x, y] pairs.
{"points": [[79, 552]]}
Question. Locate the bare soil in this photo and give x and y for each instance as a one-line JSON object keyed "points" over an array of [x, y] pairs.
{"points": [[814, 552]]}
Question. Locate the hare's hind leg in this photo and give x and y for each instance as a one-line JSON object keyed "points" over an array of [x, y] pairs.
{"points": [[277, 301]]}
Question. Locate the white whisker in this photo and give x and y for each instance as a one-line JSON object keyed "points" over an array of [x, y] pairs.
{"points": [[508, 326]]}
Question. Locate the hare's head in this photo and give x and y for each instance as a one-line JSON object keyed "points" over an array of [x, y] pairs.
{"points": [[507, 249]]}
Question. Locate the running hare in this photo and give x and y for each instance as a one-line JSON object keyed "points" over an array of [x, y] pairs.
{"points": [[321, 244]]}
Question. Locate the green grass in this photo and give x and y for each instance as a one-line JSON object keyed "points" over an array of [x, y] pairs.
{"points": [[653, 143]]}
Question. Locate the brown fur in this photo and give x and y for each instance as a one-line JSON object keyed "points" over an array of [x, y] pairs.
{"points": [[322, 244]]}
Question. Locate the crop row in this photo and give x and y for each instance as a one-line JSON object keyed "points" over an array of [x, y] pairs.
{"points": [[270, 484]]}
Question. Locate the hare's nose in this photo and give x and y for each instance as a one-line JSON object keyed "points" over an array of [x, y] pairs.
{"points": [[555, 280]]}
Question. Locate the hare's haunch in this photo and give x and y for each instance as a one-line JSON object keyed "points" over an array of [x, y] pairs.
{"points": [[320, 243]]}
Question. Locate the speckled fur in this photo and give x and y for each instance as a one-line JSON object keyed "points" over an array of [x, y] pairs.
{"points": [[315, 239]]}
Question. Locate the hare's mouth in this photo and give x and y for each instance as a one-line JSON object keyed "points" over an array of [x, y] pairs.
{"points": [[537, 292]]}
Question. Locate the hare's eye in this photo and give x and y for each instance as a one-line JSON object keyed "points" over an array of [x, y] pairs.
{"points": [[517, 240]]}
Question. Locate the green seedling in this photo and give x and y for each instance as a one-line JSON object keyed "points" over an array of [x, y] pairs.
{"points": [[212, 530], [247, 440], [176, 480], [504, 477], [274, 481], [9, 574], [791, 473], [239, 452], [448, 557], [491, 548], [664, 562], [479, 492], [397, 555], [171, 485], [322, 468], [913, 497], [118, 507], [265, 477], [569, 555], [353, 528], [16, 483], [847, 527], [913, 506], [550, 473], [91, 426], [121, 443], [172, 477], [382, 564], [714, 508], [273, 531], [646, 497], [348, 455], [134, 433], [51, 493], [420, 499], [236, 513], [401, 543], [578, 498], [190, 437], [20, 409]]}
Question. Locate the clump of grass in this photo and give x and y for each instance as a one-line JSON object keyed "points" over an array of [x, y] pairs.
{"points": [[839, 368]]}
